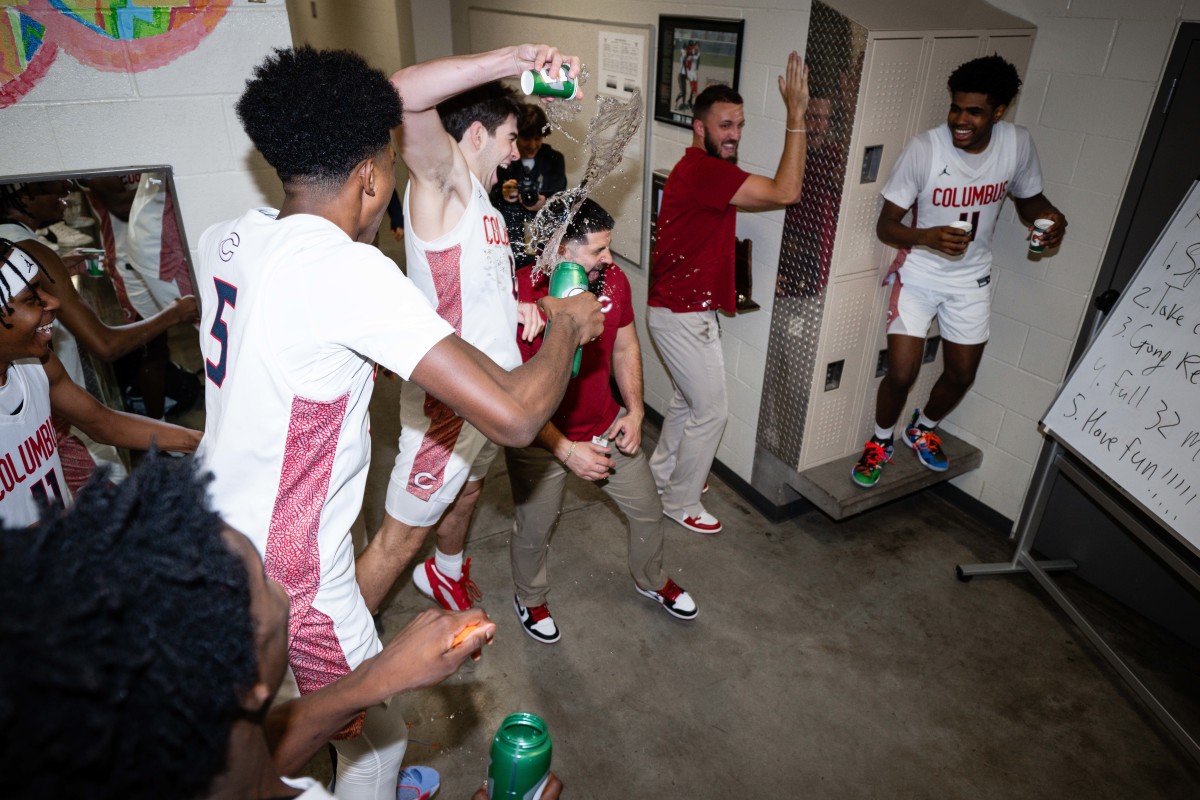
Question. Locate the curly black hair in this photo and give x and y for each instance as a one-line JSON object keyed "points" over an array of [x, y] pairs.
{"points": [[990, 75], [315, 114], [128, 642], [490, 104]]}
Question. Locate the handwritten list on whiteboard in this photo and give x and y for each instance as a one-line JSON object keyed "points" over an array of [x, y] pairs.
{"points": [[1131, 406]]}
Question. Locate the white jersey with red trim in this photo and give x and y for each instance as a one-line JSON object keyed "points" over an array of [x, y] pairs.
{"points": [[29, 464], [157, 273], [294, 315], [949, 185], [468, 275]]}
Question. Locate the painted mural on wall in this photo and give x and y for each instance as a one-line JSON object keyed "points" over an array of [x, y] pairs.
{"points": [[108, 35]]}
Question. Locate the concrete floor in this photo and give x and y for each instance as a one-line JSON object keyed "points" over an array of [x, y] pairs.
{"points": [[832, 660], [829, 660]]}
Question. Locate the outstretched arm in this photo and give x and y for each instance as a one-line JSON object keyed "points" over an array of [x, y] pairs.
{"points": [[759, 193], [106, 342], [103, 424], [422, 654], [510, 407], [440, 176], [423, 86]]}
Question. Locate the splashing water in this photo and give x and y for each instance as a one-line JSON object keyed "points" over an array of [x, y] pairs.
{"points": [[608, 133], [561, 112]]}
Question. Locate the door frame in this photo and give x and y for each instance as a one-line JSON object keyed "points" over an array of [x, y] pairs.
{"points": [[1186, 33]]}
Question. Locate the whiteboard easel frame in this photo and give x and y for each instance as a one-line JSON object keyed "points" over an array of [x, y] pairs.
{"points": [[1056, 461], [1058, 458]]}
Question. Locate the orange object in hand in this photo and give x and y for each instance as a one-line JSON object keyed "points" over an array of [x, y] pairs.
{"points": [[462, 635]]}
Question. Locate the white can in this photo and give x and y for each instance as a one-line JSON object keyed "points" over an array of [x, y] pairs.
{"points": [[1037, 238]]}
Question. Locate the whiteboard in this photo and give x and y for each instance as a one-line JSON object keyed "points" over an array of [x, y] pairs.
{"points": [[624, 192], [1131, 406]]}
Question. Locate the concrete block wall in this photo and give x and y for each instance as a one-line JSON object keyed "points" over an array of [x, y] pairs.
{"points": [[79, 118], [1093, 73]]}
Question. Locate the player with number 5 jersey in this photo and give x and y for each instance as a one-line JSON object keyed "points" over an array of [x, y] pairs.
{"points": [[296, 313]]}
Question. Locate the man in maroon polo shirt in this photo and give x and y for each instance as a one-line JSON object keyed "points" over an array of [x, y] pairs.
{"points": [[692, 279], [592, 436]]}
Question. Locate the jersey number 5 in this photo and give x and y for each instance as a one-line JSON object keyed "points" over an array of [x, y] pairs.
{"points": [[226, 296]]}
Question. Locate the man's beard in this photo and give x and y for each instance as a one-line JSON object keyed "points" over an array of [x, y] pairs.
{"points": [[597, 286], [715, 150]]}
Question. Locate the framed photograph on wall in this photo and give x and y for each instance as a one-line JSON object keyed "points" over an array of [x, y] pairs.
{"points": [[693, 54]]}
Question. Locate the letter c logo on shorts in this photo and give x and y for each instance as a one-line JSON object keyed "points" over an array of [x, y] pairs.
{"points": [[424, 480]]}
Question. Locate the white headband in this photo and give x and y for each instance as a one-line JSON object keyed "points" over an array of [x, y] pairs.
{"points": [[18, 271]]}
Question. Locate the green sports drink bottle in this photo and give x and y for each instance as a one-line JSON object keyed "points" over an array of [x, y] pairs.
{"points": [[569, 279], [520, 759]]}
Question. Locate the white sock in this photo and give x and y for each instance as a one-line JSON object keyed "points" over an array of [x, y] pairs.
{"points": [[450, 566], [925, 422], [883, 434]]}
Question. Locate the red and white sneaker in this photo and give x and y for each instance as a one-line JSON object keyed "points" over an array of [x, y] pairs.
{"points": [[674, 599], [537, 622], [704, 523], [448, 593]]}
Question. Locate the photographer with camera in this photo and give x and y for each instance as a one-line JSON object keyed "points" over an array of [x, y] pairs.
{"points": [[522, 187]]}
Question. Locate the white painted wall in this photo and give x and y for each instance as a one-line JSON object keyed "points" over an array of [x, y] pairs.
{"points": [[79, 118], [371, 28], [431, 29], [1093, 73]]}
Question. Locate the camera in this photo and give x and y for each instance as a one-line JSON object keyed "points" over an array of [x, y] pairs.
{"points": [[527, 188]]}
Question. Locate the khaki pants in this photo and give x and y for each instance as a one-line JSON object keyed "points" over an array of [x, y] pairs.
{"points": [[690, 344], [538, 480]]}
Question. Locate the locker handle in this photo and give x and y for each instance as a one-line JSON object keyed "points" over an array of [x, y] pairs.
{"points": [[872, 158]]}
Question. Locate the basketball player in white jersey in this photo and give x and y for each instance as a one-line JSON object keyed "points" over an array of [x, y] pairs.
{"points": [[297, 310], [957, 173], [460, 126], [33, 383]]}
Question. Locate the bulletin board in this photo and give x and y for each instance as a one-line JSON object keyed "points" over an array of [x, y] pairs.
{"points": [[623, 194]]}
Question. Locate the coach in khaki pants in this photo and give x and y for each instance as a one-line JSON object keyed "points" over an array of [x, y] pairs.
{"points": [[592, 436], [692, 278]]}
